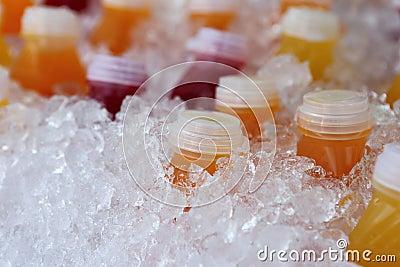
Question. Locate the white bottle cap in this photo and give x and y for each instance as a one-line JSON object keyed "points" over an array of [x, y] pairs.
{"points": [[50, 21], [387, 168], [236, 90], [131, 4], [335, 112], [311, 24], [206, 132], [219, 43], [208, 6], [117, 70], [4, 83]]}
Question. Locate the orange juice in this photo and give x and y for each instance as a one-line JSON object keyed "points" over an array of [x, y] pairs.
{"points": [[310, 35], [286, 4], [214, 14], [254, 100], [334, 125], [49, 61], [5, 56], [12, 14], [120, 19], [201, 138], [394, 92], [378, 229]]}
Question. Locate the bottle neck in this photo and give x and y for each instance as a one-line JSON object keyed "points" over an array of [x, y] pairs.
{"points": [[334, 136], [51, 42]]}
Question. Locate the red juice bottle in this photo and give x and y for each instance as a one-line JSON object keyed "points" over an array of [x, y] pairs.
{"points": [[111, 79], [212, 46]]}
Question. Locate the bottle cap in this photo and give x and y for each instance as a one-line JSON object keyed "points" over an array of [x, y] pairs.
{"points": [[335, 112], [127, 3], [212, 6], [50, 21], [236, 90], [206, 132], [219, 43], [387, 167], [311, 24], [117, 70]]}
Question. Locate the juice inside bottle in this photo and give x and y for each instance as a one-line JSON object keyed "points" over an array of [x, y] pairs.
{"points": [[210, 45], [12, 11], [394, 92], [49, 62], [254, 101], [310, 35], [112, 79], [286, 4], [120, 19], [77, 5], [378, 229], [201, 138], [214, 14], [334, 125], [5, 56]]}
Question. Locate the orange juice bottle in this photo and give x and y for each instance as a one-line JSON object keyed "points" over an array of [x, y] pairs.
{"points": [[120, 18], [4, 86], [201, 138], [49, 61], [379, 227], [310, 35], [254, 100], [12, 14], [214, 14], [5, 56], [334, 125], [286, 4], [394, 92]]}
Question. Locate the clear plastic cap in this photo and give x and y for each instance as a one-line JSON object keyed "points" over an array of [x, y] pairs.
{"points": [[4, 83], [219, 43], [387, 168], [206, 132], [118, 70], [335, 112], [132, 4], [311, 24], [236, 90], [50, 21], [212, 5]]}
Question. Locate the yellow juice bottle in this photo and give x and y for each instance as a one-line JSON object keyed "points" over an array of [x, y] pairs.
{"points": [[394, 92], [4, 86], [213, 14], [379, 227], [253, 100], [120, 19], [201, 138], [12, 11], [334, 125], [310, 35], [49, 62], [286, 4]]}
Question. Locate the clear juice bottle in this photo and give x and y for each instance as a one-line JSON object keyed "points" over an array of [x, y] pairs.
{"points": [[334, 125], [111, 79], [4, 86], [254, 100], [12, 11], [214, 14], [120, 18], [379, 227], [49, 62], [310, 35], [286, 4], [211, 45], [201, 138], [394, 91], [77, 5]]}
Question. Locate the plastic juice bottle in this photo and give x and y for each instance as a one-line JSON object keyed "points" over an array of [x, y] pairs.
{"points": [[394, 92], [49, 61], [12, 12], [213, 46], [310, 35], [111, 79], [214, 14], [4, 86], [286, 4], [201, 138], [77, 5], [251, 100], [334, 125], [5, 56], [378, 229], [119, 20]]}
